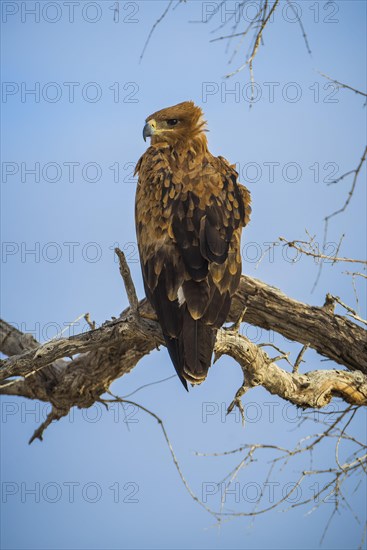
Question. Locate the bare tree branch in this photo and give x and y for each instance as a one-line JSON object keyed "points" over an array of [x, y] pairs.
{"points": [[334, 476], [290, 4], [129, 285], [333, 336], [14, 342], [305, 247], [117, 399], [263, 21], [341, 85], [314, 389], [112, 350], [327, 218], [356, 172], [153, 28]]}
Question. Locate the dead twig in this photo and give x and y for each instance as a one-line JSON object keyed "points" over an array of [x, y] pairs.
{"points": [[297, 246], [341, 85], [128, 282]]}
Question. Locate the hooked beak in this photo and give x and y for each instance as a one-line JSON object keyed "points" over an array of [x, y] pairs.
{"points": [[148, 131]]}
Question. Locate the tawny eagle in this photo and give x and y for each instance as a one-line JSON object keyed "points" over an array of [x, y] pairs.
{"points": [[189, 212]]}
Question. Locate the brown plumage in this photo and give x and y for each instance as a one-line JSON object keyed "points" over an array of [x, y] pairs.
{"points": [[189, 214]]}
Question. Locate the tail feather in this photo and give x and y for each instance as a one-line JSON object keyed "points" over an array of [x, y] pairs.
{"points": [[198, 341], [174, 350], [191, 352]]}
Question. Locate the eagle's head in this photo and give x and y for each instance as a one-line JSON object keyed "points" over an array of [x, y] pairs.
{"points": [[176, 125]]}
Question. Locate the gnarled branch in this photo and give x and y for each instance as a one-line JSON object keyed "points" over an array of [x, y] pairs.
{"points": [[112, 350], [313, 389]]}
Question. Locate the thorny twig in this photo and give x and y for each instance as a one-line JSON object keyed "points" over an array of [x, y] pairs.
{"points": [[258, 37], [352, 312], [299, 20], [356, 172], [153, 28], [341, 85], [332, 487], [297, 245]]}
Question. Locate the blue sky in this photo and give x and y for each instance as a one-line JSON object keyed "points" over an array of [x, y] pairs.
{"points": [[81, 134]]}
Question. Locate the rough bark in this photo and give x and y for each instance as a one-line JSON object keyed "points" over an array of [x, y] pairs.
{"points": [[313, 389], [112, 350], [331, 335]]}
